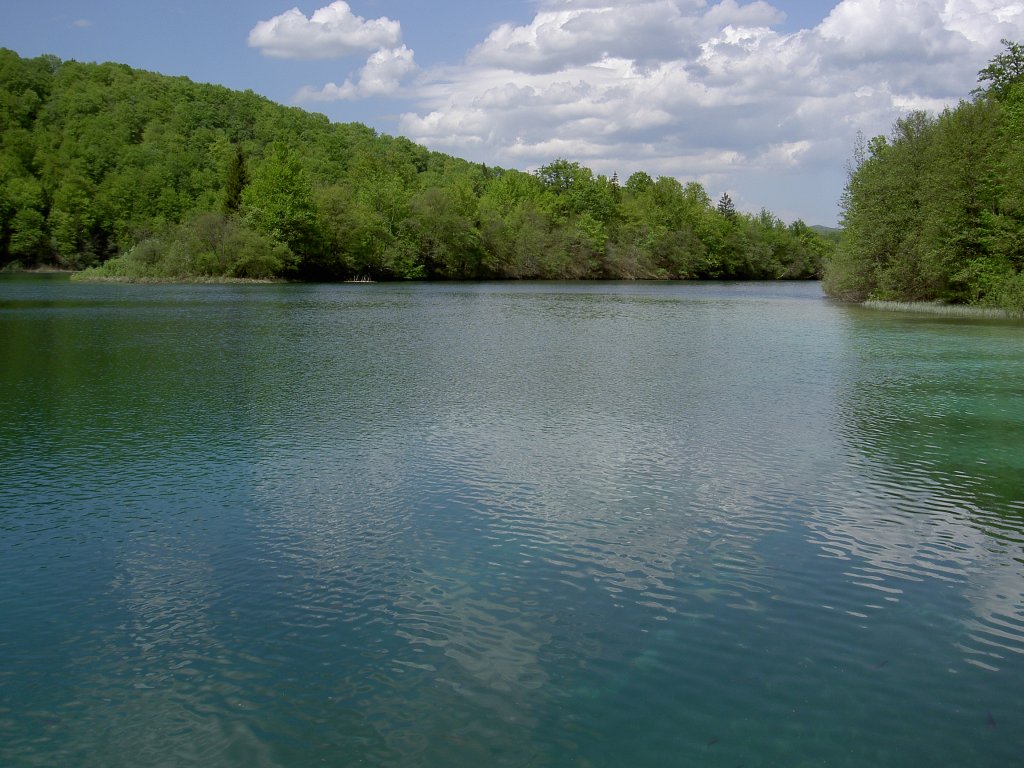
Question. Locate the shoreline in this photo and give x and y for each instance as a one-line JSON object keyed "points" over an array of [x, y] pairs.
{"points": [[37, 271], [195, 280], [946, 310]]}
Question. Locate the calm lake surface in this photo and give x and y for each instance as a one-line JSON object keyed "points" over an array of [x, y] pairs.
{"points": [[540, 524]]}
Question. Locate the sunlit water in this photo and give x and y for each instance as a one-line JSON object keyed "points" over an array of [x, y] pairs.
{"points": [[506, 525]]}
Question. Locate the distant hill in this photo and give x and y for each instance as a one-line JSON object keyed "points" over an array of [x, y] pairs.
{"points": [[147, 176]]}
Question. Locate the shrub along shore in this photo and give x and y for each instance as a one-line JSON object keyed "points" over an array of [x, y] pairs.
{"points": [[946, 310]]}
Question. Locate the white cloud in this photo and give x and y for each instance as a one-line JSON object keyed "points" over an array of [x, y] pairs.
{"points": [[756, 14], [331, 32], [699, 90], [82, 23], [381, 76], [645, 31], [713, 91], [981, 21], [385, 69], [786, 154]]}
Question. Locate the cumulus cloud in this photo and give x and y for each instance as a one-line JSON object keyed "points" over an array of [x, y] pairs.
{"points": [[331, 32], [981, 21], [381, 76], [701, 90], [719, 91], [645, 31]]}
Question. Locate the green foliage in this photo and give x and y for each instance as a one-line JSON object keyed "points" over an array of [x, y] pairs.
{"points": [[936, 211], [726, 206], [442, 222], [207, 245], [140, 176], [236, 180], [1009, 294], [1003, 71], [279, 200]]}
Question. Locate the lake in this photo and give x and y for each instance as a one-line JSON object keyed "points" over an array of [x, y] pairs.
{"points": [[506, 524]]}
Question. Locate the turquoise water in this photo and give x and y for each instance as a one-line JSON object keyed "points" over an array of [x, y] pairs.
{"points": [[538, 524]]}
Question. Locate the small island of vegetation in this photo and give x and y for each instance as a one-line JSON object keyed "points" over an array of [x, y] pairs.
{"points": [[127, 174], [935, 213]]}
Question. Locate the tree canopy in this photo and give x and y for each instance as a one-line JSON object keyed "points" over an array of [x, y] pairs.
{"points": [[935, 212], [136, 174]]}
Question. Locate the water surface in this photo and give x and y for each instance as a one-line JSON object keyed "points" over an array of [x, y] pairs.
{"points": [[538, 524]]}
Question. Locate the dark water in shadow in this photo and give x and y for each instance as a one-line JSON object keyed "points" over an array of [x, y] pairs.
{"points": [[506, 524]]}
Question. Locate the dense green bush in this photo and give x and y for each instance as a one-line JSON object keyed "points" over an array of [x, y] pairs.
{"points": [[208, 245]]}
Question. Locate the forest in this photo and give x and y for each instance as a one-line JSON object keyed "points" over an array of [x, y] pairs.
{"points": [[935, 212], [134, 175]]}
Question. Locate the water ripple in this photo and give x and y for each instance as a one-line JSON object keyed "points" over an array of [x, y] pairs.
{"points": [[506, 525]]}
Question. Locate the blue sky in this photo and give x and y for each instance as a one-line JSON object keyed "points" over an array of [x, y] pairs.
{"points": [[759, 99]]}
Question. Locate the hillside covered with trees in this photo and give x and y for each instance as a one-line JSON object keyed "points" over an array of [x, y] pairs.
{"points": [[140, 175], [936, 211]]}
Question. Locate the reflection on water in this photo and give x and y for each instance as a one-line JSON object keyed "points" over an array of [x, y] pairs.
{"points": [[516, 524], [936, 412]]}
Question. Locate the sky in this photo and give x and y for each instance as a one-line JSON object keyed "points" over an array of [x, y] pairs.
{"points": [[763, 100]]}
